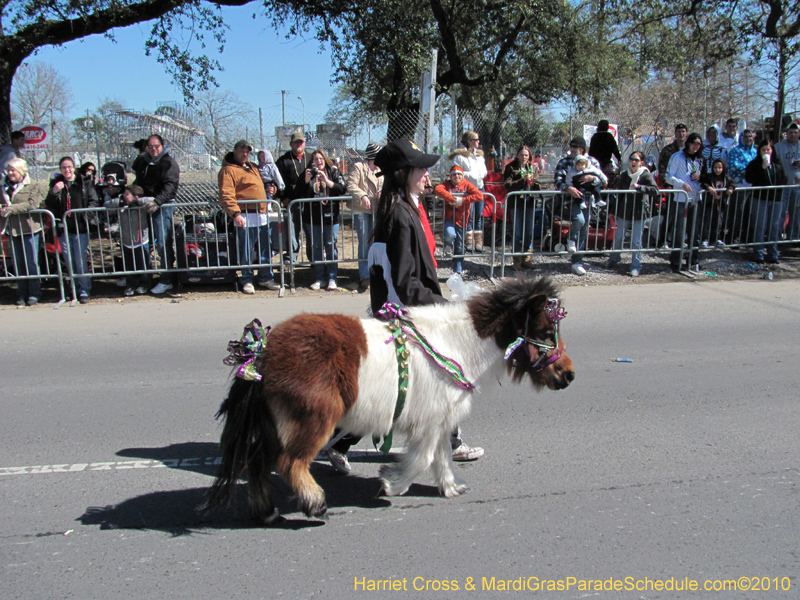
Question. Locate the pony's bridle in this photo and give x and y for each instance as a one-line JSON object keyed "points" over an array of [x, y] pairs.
{"points": [[548, 353]]}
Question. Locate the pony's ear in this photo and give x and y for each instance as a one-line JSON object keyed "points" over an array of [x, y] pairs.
{"points": [[536, 303]]}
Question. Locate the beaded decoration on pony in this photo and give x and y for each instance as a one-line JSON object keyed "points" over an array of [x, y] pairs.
{"points": [[245, 351], [554, 313], [393, 312]]}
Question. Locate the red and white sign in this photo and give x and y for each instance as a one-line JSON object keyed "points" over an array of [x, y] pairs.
{"points": [[36, 137], [590, 130]]}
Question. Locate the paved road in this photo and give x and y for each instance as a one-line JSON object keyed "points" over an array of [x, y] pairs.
{"points": [[682, 464]]}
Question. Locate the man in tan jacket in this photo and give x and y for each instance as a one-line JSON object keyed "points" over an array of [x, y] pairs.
{"points": [[240, 181], [365, 187]]}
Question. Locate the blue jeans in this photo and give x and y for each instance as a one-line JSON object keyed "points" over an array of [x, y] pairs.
{"points": [[475, 222], [768, 217], [25, 249], [791, 199], [77, 246], [687, 219], [252, 248], [524, 215], [322, 238], [454, 235], [362, 223], [637, 227], [579, 228], [163, 234]]}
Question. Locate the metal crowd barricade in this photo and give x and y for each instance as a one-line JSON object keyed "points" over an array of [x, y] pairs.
{"points": [[549, 214], [436, 210], [315, 237], [202, 236], [47, 257]]}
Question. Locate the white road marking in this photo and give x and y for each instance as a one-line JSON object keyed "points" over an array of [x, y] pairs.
{"points": [[175, 463]]}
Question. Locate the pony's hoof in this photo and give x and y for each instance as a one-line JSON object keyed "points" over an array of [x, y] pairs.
{"points": [[272, 518], [456, 490], [317, 511]]}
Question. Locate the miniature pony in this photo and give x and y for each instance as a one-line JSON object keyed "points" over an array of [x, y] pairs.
{"points": [[318, 372]]}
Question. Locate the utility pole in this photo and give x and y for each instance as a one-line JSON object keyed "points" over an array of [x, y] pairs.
{"points": [[283, 105]]}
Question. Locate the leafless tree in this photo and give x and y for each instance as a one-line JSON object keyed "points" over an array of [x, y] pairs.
{"points": [[39, 92], [225, 119]]}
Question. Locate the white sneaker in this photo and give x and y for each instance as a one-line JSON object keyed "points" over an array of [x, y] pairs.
{"points": [[332, 286], [141, 290], [448, 251], [161, 288], [720, 244], [316, 285], [578, 269], [704, 244], [572, 247], [129, 291], [634, 272], [466, 453], [600, 204], [248, 288], [270, 285]]}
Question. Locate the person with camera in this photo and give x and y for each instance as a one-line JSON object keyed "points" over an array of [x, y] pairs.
{"points": [[769, 209], [158, 174], [321, 180]]}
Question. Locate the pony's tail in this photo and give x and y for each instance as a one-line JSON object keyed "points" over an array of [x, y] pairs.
{"points": [[249, 445]]}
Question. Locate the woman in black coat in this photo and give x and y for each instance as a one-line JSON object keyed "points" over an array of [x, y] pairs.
{"points": [[321, 218], [631, 209], [768, 208], [70, 190]]}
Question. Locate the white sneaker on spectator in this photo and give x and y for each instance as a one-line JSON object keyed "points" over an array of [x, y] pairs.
{"points": [[141, 290], [270, 284], [704, 244], [634, 272], [248, 288], [161, 288], [316, 285], [129, 291], [720, 244], [332, 286], [122, 282], [466, 453], [339, 461], [600, 204], [578, 269], [448, 251], [572, 247]]}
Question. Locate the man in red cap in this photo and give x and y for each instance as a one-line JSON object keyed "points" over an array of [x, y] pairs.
{"points": [[456, 212]]}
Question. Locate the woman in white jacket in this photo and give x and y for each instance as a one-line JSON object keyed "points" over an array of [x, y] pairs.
{"points": [[470, 159]]}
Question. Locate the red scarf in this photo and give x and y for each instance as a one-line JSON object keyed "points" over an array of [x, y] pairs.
{"points": [[426, 227]]}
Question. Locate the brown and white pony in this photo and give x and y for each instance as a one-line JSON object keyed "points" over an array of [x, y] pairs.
{"points": [[320, 372]]}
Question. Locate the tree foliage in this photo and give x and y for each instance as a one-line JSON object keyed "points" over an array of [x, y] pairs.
{"points": [[491, 52], [180, 25]]}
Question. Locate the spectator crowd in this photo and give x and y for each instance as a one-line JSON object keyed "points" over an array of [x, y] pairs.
{"points": [[721, 188]]}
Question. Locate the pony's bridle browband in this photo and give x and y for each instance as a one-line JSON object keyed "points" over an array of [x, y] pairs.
{"points": [[554, 313]]}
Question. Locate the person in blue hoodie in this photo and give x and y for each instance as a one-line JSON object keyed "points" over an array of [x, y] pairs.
{"points": [[737, 221]]}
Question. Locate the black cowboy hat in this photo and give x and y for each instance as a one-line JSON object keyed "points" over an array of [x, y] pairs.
{"points": [[398, 154]]}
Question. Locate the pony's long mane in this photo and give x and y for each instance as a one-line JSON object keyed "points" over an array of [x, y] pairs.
{"points": [[499, 314]]}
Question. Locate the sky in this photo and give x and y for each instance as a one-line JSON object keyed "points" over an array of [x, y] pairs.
{"points": [[258, 61]]}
